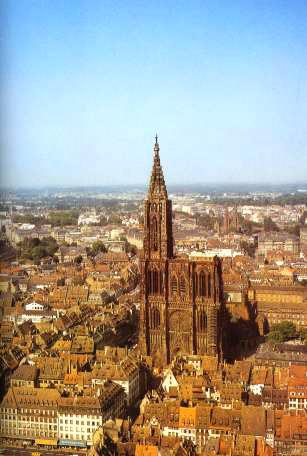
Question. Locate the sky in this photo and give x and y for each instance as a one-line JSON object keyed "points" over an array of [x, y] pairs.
{"points": [[86, 84]]}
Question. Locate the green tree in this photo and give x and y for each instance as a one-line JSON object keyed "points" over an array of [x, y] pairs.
{"points": [[303, 218], [283, 331], [36, 249], [303, 335], [103, 221], [63, 218], [38, 252], [32, 242], [115, 219], [269, 225], [78, 259], [29, 218], [248, 248], [130, 248], [275, 336], [50, 245], [206, 221], [97, 247], [293, 229]]}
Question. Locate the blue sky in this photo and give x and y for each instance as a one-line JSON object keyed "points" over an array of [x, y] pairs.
{"points": [[86, 84]]}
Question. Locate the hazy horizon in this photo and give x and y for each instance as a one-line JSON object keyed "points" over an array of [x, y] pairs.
{"points": [[86, 85], [244, 187]]}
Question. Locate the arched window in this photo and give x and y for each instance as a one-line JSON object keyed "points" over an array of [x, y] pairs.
{"points": [[161, 282], [154, 233], [153, 281], [155, 318], [174, 284], [202, 321], [182, 284], [209, 285], [154, 285], [202, 284], [149, 281], [195, 284]]}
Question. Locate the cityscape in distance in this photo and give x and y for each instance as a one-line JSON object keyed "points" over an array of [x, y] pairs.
{"points": [[153, 286]]}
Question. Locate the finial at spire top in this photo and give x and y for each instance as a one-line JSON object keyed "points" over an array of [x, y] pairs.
{"points": [[156, 146]]}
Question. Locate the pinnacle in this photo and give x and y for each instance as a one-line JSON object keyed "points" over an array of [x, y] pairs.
{"points": [[157, 185]]}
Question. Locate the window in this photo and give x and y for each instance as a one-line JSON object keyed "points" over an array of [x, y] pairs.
{"points": [[161, 287], [182, 284], [174, 284], [154, 233], [195, 283], [155, 281], [202, 284], [202, 321], [155, 318], [209, 285]]}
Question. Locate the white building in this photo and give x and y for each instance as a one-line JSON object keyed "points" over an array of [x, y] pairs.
{"points": [[36, 316], [35, 306], [169, 380], [125, 374], [88, 218], [222, 253], [80, 416]]}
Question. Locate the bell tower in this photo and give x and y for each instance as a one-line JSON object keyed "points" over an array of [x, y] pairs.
{"points": [[158, 233]]}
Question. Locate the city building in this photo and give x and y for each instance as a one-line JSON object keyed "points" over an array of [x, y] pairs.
{"points": [[79, 417], [303, 236], [275, 241], [297, 387], [30, 414]]}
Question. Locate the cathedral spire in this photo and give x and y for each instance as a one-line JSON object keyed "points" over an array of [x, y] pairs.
{"points": [[157, 185]]}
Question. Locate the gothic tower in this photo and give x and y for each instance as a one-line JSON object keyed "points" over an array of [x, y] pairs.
{"points": [[181, 300], [157, 250], [158, 235]]}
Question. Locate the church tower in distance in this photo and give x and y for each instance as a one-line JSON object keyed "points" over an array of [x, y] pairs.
{"points": [[181, 300]]}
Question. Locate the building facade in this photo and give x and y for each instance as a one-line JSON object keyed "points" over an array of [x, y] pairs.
{"points": [[273, 241], [303, 236], [30, 414], [181, 300]]}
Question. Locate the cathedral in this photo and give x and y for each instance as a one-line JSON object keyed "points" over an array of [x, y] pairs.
{"points": [[181, 300]]}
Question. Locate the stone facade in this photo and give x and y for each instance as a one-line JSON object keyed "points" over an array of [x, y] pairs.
{"points": [[181, 300]]}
